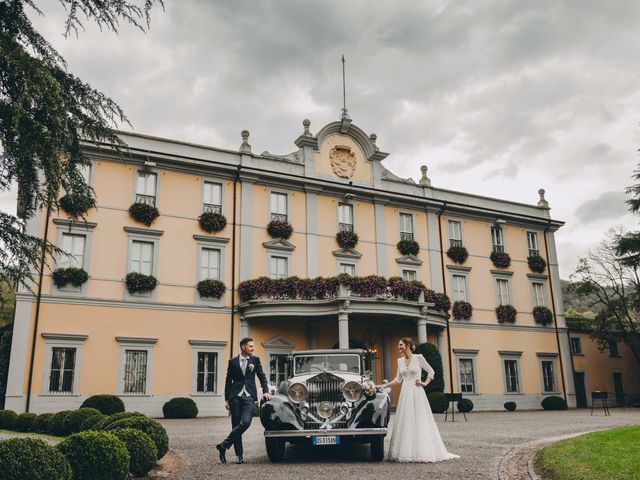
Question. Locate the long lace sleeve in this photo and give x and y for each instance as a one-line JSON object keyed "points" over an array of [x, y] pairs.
{"points": [[398, 376], [426, 367]]}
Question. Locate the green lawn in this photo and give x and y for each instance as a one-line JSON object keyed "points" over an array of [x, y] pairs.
{"points": [[611, 454], [32, 434]]}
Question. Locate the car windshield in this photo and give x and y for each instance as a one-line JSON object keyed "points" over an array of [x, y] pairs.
{"points": [[320, 363]]}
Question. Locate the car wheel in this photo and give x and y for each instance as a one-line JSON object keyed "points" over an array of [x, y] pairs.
{"points": [[275, 448], [377, 448]]}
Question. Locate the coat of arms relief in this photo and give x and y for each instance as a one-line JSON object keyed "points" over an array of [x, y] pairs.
{"points": [[343, 161]]}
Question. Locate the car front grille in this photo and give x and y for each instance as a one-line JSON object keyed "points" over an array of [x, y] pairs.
{"points": [[323, 389]]}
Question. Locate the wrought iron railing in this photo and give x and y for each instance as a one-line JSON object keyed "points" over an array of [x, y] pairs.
{"points": [[534, 252], [406, 236], [146, 199], [279, 217], [211, 208], [498, 248], [455, 243], [345, 227]]}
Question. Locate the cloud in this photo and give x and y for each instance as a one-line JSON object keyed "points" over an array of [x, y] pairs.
{"points": [[609, 205]]}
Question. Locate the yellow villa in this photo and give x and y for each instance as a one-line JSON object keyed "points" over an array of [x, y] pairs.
{"points": [[107, 335]]}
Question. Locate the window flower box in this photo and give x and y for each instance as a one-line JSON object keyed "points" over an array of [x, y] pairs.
{"points": [[140, 283], [212, 221], [279, 229], [536, 263], [77, 204], [458, 254], [347, 239], [144, 213], [408, 247], [75, 276], [542, 315], [211, 288], [500, 259], [506, 313], [462, 310]]}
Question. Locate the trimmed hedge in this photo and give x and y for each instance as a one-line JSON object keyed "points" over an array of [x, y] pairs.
{"points": [[465, 405], [432, 355], [438, 402], [96, 456], [106, 422], [510, 406], [106, 404], [24, 422], [32, 459], [74, 420], [90, 422], [43, 423], [147, 425], [180, 407], [142, 451], [56, 426], [554, 403], [7, 419]]}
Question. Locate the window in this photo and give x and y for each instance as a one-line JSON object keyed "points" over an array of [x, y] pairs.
{"points": [[503, 296], [409, 275], [348, 268], [135, 371], [209, 264], [212, 197], [459, 287], [73, 245], [455, 233], [345, 217], [497, 240], [532, 244], [511, 376], [146, 188], [141, 257], [63, 363], [548, 376], [406, 226], [278, 368], [538, 294], [613, 348], [576, 346], [206, 372], [467, 384], [279, 267], [279, 206], [85, 173]]}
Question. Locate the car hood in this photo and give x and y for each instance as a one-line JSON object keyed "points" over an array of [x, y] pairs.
{"points": [[346, 377]]}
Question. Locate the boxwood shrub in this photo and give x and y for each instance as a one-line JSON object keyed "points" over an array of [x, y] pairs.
{"points": [[24, 422], [90, 422], [510, 406], [7, 418], [56, 426], [465, 405], [106, 404], [96, 456], [32, 459], [432, 355], [438, 402], [106, 422], [42, 423], [156, 432], [74, 420], [180, 407], [142, 451], [554, 403]]}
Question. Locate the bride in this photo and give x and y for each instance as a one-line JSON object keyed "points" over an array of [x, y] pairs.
{"points": [[415, 436]]}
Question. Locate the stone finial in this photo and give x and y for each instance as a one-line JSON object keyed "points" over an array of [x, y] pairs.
{"points": [[245, 147], [306, 123], [542, 203], [373, 137], [424, 181]]}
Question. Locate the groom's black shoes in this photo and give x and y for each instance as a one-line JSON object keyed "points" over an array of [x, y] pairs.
{"points": [[239, 459], [222, 451]]}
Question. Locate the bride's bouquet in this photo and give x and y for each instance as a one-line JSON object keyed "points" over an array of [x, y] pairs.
{"points": [[369, 388]]}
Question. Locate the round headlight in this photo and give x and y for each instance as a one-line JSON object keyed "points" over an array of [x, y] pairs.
{"points": [[352, 391], [298, 393], [325, 409]]}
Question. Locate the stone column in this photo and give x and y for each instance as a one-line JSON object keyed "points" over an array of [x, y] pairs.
{"points": [[343, 327], [245, 330], [442, 348], [422, 329], [387, 373]]}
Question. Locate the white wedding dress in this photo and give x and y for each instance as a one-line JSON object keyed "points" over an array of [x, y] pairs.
{"points": [[415, 436]]}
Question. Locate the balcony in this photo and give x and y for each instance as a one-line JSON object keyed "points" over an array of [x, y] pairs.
{"points": [[146, 199], [279, 217], [212, 208]]}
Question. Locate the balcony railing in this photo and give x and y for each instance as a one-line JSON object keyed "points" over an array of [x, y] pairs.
{"points": [[455, 243], [406, 235], [534, 252], [146, 199], [211, 208], [345, 227], [279, 217], [498, 248]]}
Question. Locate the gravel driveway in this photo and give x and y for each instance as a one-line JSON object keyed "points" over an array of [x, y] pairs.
{"points": [[481, 442]]}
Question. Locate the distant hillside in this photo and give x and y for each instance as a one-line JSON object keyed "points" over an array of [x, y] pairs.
{"points": [[575, 305]]}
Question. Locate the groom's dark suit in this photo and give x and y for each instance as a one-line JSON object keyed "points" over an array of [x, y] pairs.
{"points": [[240, 392]]}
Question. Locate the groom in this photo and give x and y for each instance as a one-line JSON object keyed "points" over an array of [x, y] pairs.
{"points": [[239, 394]]}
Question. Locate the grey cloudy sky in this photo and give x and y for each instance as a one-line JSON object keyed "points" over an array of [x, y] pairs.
{"points": [[497, 98]]}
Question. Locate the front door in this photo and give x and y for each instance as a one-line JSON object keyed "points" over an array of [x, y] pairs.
{"points": [[581, 391], [617, 385]]}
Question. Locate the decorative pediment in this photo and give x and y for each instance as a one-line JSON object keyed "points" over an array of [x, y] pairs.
{"points": [[279, 244], [351, 253], [410, 260], [278, 342]]}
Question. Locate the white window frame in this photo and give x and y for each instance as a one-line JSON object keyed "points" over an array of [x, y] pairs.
{"points": [[146, 171], [464, 277], [497, 239], [548, 357], [466, 354], [405, 234], [213, 273], [498, 276], [65, 261], [213, 243], [75, 228], [412, 271], [347, 264], [146, 253], [272, 213], [62, 340], [452, 240], [277, 345], [277, 257], [136, 343], [209, 206], [516, 359], [539, 297], [538, 279], [532, 246], [342, 224], [142, 235], [208, 346]]}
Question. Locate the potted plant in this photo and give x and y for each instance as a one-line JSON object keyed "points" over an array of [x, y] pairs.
{"points": [[506, 313], [74, 276], [140, 283], [143, 213], [458, 254], [536, 263], [542, 315], [347, 239], [500, 259], [212, 221], [77, 204], [279, 229], [462, 310], [408, 247], [211, 288]]}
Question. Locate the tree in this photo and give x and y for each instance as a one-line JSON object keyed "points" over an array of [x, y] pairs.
{"points": [[614, 283], [7, 301], [628, 246], [46, 113]]}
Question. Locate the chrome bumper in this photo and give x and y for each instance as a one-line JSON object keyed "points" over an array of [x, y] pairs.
{"points": [[342, 432]]}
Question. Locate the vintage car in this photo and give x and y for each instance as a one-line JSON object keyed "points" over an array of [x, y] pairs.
{"points": [[329, 399]]}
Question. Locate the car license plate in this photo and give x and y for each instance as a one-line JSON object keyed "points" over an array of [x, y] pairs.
{"points": [[331, 440]]}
